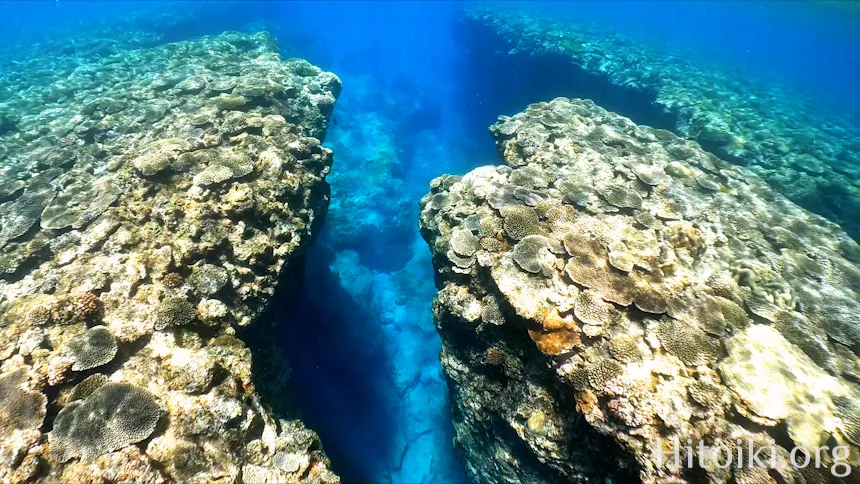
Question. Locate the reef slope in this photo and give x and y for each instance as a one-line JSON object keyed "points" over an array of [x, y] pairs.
{"points": [[151, 201], [613, 287], [804, 147]]}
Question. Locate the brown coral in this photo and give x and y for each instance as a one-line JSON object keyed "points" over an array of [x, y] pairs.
{"points": [[600, 373], [689, 343], [88, 307], [174, 311], [494, 356], [172, 280], [520, 221]]}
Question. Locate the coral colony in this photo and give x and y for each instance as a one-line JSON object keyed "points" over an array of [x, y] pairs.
{"points": [[596, 258], [655, 280], [132, 250]]}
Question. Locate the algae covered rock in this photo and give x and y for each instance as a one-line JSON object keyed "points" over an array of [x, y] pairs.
{"points": [[626, 336], [117, 257], [208, 279]]}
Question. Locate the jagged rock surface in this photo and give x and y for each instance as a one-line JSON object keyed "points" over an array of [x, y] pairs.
{"points": [[803, 147], [613, 286], [158, 196]]}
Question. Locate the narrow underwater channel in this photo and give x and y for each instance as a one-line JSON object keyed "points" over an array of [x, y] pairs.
{"points": [[349, 343], [362, 345], [360, 336]]}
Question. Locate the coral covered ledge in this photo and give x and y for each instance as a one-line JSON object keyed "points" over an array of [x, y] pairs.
{"points": [[613, 287], [150, 203]]}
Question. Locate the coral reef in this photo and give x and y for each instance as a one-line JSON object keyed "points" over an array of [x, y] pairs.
{"points": [[731, 316], [803, 147], [152, 202]]}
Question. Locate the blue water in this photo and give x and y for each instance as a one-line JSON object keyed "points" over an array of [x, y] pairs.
{"points": [[360, 335]]}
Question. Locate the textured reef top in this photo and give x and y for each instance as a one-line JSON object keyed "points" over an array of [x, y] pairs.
{"points": [[805, 150], [671, 294], [149, 203], [51, 58]]}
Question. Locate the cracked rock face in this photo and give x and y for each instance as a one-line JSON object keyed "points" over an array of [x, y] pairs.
{"points": [[616, 302], [157, 197]]}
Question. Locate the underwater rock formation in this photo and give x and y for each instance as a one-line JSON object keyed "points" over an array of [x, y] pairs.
{"points": [[613, 287], [152, 202], [803, 147]]}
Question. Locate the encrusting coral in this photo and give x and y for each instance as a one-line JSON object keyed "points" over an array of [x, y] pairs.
{"points": [[150, 216], [661, 308]]}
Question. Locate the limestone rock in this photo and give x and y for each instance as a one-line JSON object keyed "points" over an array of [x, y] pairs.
{"points": [[115, 258], [621, 335]]}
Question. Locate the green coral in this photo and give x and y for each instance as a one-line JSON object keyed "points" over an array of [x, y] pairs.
{"points": [[80, 203], [848, 410], [706, 394], [708, 182], [463, 243], [689, 343], [591, 309], [650, 175], [621, 196], [226, 165], [87, 387], [624, 348], [532, 254], [160, 155], [18, 216]]}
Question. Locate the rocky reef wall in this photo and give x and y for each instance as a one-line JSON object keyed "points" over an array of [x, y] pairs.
{"points": [[803, 147], [152, 202], [613, 293]]}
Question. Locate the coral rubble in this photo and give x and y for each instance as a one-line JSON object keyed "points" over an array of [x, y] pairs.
{"points": [[803, 147], [151, 202], [620, 303]]}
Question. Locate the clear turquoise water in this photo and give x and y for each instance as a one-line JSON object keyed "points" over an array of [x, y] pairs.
{"points": [[360, 336]]}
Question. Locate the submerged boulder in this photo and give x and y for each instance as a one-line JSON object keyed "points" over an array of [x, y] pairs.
{"points": [[141, 228], [731, 315]]}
